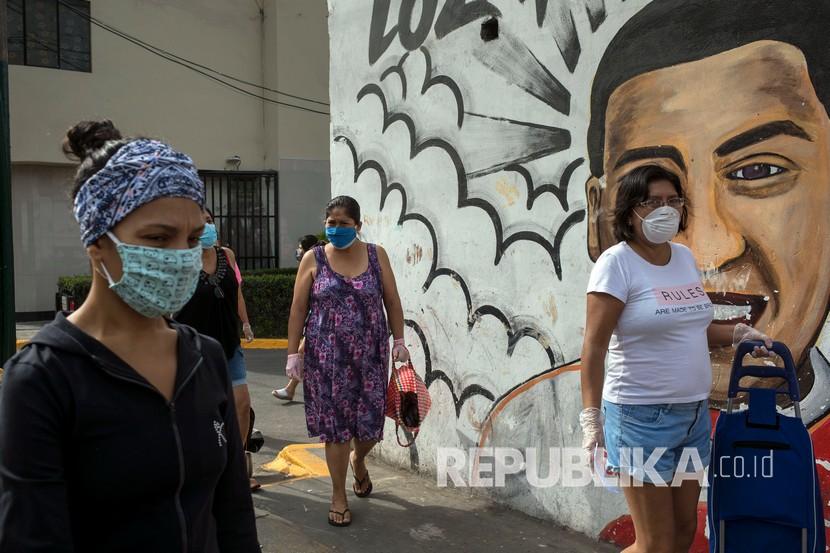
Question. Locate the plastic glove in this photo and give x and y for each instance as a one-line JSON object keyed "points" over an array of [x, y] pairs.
{"points": [[248, 332], [590, 419], [294, 366], [745, 333], [399, 352]]}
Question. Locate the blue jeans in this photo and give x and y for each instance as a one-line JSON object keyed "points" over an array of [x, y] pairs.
{"points": [[236, 368], [653, 442]]}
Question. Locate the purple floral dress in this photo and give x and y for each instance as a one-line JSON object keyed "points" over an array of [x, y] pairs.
{"points": [[346, 354]]}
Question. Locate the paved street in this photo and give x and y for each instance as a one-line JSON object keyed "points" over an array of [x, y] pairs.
{"points": [[406, 512]]}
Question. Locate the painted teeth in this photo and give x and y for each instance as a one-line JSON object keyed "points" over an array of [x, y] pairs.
{"points": [[728, 312]]}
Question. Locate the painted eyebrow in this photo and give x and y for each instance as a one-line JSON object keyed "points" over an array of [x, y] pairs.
{"points": [[761, 133], [651, 152]]}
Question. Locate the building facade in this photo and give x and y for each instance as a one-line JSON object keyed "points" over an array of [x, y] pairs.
{"points": [[138, 63]]}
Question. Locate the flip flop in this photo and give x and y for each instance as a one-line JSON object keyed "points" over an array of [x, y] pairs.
{"points": [[359, 482], [343, 522], [254, 484]]}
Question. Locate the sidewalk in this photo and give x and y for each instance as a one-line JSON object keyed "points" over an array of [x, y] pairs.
{"points": [[405, 513], [25, 331]]}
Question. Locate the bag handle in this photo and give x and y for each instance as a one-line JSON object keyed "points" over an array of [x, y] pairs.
{"points": [[398, 436], [739, 370], [398, 423]]}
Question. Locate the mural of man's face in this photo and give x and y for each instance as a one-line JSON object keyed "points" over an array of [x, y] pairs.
{"points": [[750, 141]]}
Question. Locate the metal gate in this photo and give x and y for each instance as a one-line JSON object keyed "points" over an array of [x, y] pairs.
{"points": [[245, 205]]}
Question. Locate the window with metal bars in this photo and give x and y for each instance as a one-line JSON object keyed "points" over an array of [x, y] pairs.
{"points": [[245, 207], [49, 33]]}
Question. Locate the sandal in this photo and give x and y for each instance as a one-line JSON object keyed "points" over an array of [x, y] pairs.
{"points": [[359, 482], [254, 484], [282, 394], [343, 522]]}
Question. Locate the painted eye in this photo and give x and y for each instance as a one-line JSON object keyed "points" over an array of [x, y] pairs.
{"points": [[756, 171]]}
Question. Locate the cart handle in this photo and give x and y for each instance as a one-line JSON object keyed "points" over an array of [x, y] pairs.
{"points": [[739, 370]]}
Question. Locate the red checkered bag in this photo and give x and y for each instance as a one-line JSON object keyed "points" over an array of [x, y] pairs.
{"points": [[407, 401]]}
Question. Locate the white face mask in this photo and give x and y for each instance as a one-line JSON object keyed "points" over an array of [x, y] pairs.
{"points": [[660, 225]]}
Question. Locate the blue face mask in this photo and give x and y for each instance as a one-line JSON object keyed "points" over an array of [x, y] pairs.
{"points": [[341, 237], [155, 281], [209, 236]]}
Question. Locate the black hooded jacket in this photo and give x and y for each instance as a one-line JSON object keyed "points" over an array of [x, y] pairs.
{"points": [[95, 459]]}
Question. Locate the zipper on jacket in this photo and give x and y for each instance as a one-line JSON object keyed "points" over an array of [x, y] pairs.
{"points": [[180, 453], [176, 434]]}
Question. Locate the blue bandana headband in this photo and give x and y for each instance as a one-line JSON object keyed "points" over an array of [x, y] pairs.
{"points": [[141, 171]]}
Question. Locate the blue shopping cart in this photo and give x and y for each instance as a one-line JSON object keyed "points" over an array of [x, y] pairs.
{"points": [[763, 485]]}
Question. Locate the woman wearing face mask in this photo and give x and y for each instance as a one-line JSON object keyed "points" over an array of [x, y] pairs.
{"points": [[287, 394], [647, 310], [216, 310], [117, 426], [340, 295]]}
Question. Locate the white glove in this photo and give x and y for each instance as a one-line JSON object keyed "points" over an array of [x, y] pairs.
{"points": [[745, 333], [294, 366], [248, 332], [590, 419]]}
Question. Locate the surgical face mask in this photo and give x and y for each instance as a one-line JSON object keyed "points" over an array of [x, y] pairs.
{"points": [[298, 254], [660, 225], [209, 236], [155, 281], [341, 237]]}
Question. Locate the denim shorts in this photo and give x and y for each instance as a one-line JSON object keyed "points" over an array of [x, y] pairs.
{"points": [[236, 368], [645, 441]]}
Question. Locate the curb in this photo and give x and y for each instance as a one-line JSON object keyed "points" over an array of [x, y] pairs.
{"points": [[298, 460], [258, 343]]}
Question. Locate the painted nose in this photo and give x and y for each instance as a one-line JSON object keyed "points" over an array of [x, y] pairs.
{"points": [[710, 235]]}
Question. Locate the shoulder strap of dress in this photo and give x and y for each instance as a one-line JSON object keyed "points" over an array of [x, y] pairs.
{"points": [[320, 256], [373, 258]]}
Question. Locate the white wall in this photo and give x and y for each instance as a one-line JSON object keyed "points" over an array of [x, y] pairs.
{"points": [[470, 160], [468, 298]]}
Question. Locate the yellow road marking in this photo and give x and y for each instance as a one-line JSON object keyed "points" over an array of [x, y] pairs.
{"points": [[298, 460], [287, 481], [266, 343]]}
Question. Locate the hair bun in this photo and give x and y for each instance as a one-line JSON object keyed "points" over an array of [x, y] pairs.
{"points": [[87, 136]]}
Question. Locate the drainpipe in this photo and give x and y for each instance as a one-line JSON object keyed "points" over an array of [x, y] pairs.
{"points": [[7, 324]]}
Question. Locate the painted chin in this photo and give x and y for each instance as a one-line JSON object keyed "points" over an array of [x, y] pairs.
{"points": [[732, 308]]}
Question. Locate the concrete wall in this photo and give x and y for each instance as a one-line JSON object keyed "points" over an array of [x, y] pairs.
{"points": [[304, 192], [296, 38], [297, 61], [47, 243], [484, 157]]}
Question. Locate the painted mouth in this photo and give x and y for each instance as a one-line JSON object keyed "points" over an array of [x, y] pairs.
{"points": [[732, 308]]}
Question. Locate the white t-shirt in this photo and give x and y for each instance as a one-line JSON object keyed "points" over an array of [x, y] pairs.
{"points": [[658, 352]]}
